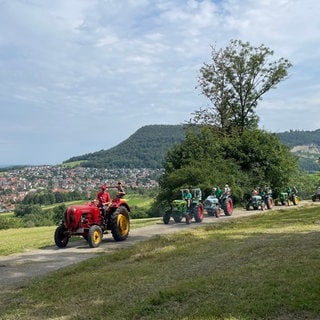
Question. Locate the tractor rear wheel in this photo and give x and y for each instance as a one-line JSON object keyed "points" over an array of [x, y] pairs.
{"points": [[120, 224], [61, 238], [198, 213], [269, 203], [94, 236], [295, 200], [228, 207], [166, 217]]}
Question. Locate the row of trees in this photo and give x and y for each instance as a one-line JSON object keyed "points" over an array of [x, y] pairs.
{"points": [[47, 197], [223, 143]]}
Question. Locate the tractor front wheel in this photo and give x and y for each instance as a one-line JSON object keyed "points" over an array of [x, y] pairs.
{"points": [[94, 236], [61, 237], [188, 218], [166, 217], [120, 224], [211, 212]]}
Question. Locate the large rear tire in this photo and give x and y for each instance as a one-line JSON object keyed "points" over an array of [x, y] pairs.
{"points": [[269, 203], [198, 213], [94, 236], [120, 224], [61, 238], [228, 207]]}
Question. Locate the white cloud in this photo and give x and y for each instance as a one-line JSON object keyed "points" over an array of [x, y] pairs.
{"points": [[78, 76]]}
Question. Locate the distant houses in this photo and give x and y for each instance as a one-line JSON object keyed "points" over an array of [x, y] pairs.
{"points": [[16, 184]]}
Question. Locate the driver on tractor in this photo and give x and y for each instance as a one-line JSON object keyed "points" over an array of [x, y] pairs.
{"points": [[104, 200], [187, 196]]}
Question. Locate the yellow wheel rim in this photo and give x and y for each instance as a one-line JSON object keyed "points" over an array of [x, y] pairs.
{"points": [[96, 237], [123, 224]]}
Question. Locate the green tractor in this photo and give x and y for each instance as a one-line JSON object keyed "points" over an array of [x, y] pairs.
{"points": [[288, 197], [179, 208], [256, 202], [261, 199]]}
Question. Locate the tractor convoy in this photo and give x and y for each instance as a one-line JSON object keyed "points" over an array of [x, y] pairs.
{"points": [[191, 207], [91, 222]]}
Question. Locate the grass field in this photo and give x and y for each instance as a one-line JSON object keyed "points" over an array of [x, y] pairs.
{"points": [[24, 239], [260, 267]]}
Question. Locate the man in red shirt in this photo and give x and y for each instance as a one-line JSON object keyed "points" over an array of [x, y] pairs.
{"points": [[104, 199]]}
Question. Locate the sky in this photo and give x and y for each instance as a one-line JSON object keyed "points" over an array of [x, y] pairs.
{"points": [[79, 76]]}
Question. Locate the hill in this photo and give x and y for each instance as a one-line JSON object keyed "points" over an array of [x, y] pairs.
{"points": [[294, 138], [146, 148], [305, 145]]}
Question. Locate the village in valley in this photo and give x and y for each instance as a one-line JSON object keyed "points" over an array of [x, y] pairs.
{"points": [[16, 183]]}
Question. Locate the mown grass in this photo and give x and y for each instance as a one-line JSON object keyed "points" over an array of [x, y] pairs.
{"points": [[260, 267], [23, 239], [140, 201], [17, 240]]}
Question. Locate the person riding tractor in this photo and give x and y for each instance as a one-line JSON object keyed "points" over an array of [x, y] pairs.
{"points": [[187, 196], [104, 200]]}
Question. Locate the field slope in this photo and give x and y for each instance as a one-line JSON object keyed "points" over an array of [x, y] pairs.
{"points": [[260, 267]]}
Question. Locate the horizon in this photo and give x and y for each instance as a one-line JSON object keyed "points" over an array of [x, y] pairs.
{"points": [[3, 166], [80, 76]]}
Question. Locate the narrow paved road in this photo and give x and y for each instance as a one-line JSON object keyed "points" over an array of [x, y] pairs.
{"points": [[17, 269]]}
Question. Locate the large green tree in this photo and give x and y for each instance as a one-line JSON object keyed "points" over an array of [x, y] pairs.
{"points": [[223, 144], [256, 158], [234, 81]]}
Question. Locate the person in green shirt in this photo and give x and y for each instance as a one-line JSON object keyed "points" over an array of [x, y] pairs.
{"points": [[218, 192], [187, 196]]}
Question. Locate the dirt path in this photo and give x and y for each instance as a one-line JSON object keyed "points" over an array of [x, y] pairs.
{"points": [[17, 269]]}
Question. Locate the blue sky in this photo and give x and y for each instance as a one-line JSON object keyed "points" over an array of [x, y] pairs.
{"points": [[78, 76]]}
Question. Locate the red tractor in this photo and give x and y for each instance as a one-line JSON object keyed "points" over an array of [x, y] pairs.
{"points": [[87, 221]]}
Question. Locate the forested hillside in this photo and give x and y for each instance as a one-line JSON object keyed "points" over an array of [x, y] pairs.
{"points": [[305, 145], [299, 138], [146, 148]]}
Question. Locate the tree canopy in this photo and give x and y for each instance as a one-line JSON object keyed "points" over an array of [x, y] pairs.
{"points": [[234, 81], [256, 158], [223, 144]]}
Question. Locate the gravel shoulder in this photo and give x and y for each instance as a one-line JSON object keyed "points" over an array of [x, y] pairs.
{"points": [[18, 269]]}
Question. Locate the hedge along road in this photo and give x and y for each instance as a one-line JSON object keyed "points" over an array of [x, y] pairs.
{"points": [[18, 269]]}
